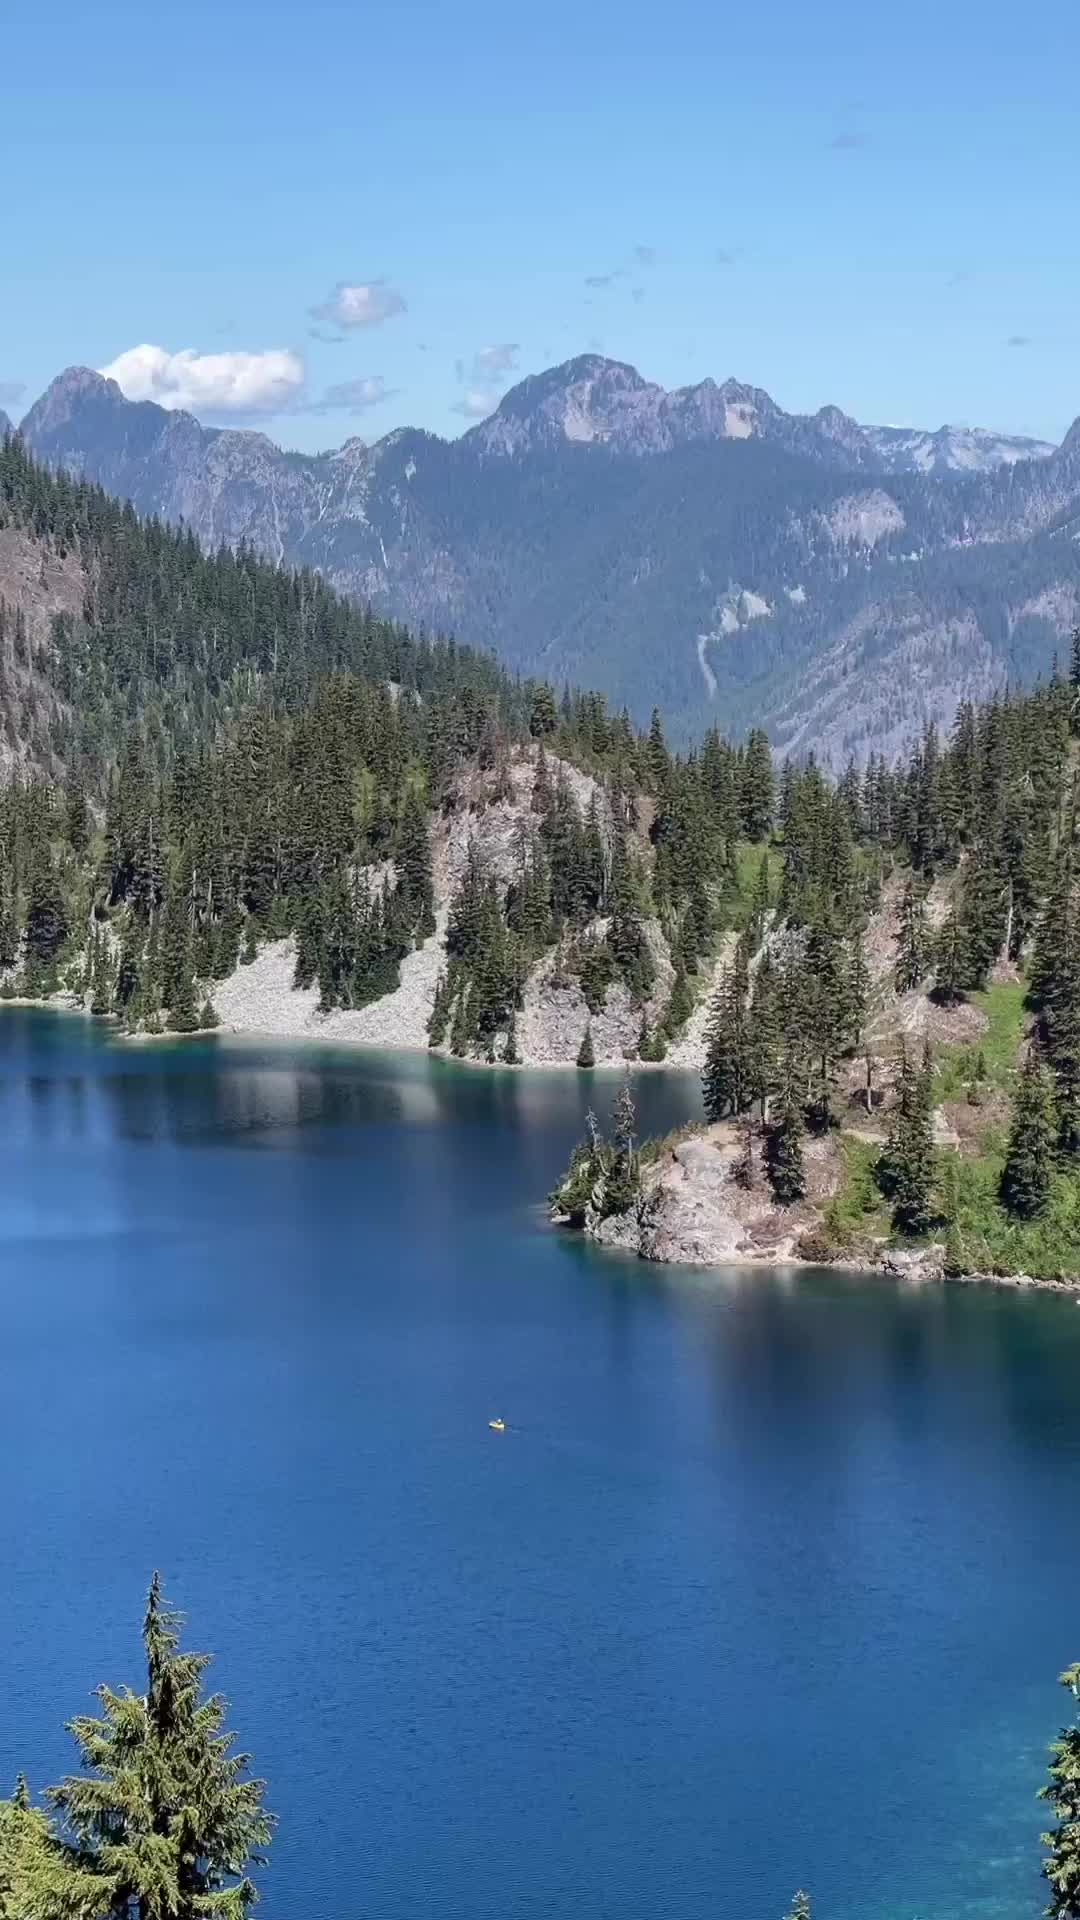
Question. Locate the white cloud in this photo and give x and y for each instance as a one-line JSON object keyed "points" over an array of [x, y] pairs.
{"points": [[363, 303], [491, 361], [354, 396], [241, 383], [475, 404]]}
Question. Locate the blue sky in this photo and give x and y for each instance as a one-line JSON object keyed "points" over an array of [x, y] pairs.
{"points": [[870, 206]]}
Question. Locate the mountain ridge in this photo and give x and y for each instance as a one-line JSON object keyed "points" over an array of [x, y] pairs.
{"points": [[530, 411], [697, 549]]}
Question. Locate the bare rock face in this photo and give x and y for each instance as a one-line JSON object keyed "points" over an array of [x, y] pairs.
{"points": [[552, 1024], [489, 813], [916, 1263], [694, 1212]]}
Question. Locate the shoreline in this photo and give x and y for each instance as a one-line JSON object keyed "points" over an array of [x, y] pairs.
{"points": [[344, 1042], [910, 1270], [915, 1276]]}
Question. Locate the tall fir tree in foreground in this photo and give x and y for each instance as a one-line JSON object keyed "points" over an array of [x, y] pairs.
{"points": [[1062, 1793], [163, 1815]]}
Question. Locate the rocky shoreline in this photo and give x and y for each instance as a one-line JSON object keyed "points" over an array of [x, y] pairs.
{"points": [[691, 1211]]}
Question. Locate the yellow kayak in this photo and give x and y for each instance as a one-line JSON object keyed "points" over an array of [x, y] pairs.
{"points": [[497, 1426]]}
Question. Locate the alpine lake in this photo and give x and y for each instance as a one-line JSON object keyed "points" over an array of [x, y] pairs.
{"points": [[766, 1584]]}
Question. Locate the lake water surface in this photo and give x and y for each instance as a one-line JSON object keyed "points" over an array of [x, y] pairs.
{"points": [[767, 1585]]}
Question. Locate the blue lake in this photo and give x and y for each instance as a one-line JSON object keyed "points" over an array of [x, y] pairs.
{"points": [[767, 1584]]}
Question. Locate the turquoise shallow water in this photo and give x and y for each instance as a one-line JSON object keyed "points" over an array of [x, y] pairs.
{"points": [[767, 1584]]}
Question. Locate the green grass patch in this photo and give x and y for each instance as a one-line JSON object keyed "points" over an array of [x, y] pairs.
{"points": [[857, 1207], [736, 902], [989, 1061], [1004, 1008], [988, 1240]]}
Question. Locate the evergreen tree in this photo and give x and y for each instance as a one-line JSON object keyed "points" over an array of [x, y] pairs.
{"points": [[650, 1044], [905, 1167], [463, 1028], [758, 787], [913, 945], [727, 1078], [415, 883], [439, 1017], [586, 1055], [163, 1816], [543, 717], [680, 1004], [1029, 1161], [783, 1144], [623, 1182], [182, 1005], [1061, 1868], [952, 966]]}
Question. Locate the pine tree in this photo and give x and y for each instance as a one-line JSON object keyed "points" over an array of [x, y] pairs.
{"points": [[586, 1054], [905, 1167], [650, 1045], [164, 1816], [543, 717], [783, 1144], [101, 974], [510, 1055], [439, 1018], [758, 786], [913, 944], [415, 883], [800, 1906], [952, 970], [1062, 1793], [680, 1004], [1029, 1161], [727, 1078], [463, 1027], [183, 1009], [623, 1182]]}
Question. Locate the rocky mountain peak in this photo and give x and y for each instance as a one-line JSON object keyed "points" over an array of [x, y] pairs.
{"points": [[585, 399], [66, 395]]}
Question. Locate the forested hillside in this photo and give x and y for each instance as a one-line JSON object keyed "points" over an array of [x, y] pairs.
{"points": [[892, 1056], [216, 754]]}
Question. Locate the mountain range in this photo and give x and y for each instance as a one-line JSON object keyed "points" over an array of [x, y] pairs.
{"points": [[700, 550]]}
